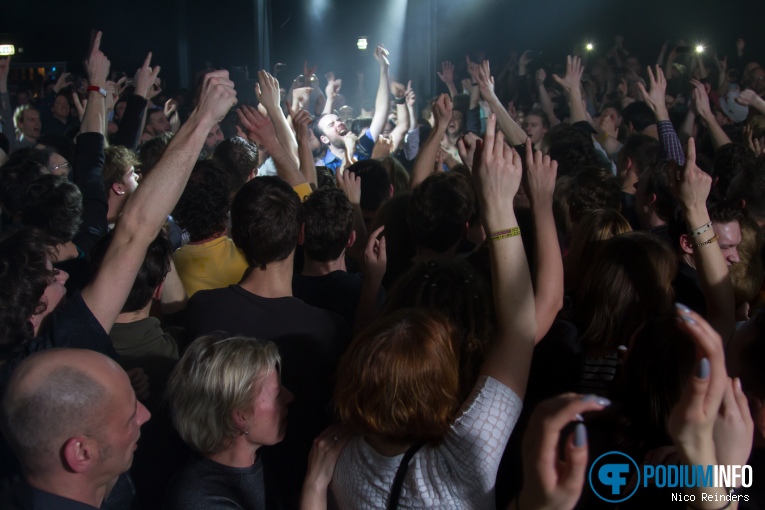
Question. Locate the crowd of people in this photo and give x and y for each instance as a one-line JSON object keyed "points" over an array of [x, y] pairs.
{"points": [[311, 302]]}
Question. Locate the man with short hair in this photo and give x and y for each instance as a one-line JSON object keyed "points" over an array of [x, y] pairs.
{"points": [[156, 124], [28, 125], [266, 224], [120, 179], [536, 127], [72, 418]]}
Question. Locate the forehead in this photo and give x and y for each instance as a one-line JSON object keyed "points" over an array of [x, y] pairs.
{"points": [[30, 115], [729, 233], [327, 120], [533, 118]]}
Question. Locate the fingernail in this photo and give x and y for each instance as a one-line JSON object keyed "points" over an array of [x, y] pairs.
{"points": [[603, 401], [682, 308], [687, 319], [622, 348], [579, 417], [580, 435], [704, 369], [738, 384]]}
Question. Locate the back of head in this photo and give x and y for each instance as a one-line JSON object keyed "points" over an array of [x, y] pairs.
{"points": [[53, 204], [747, 190], [398, 379], [117, 163], [571, 148], [265, 220], [216, 376], [154, 269], [439, 210], [657, 183], [730, 160], [589, 235], [639, 115], [593, 188], [59, 144], [238, 158], [47, 402], [399, 177], [328, 224], [14, 181], [747, 275], [150, 152], [643, 151], [203, 207], [24, 276], [375, 183], [628, 282]]}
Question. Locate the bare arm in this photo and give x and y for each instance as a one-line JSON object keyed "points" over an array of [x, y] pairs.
{"points": [[267, 90], [544, 98], [350, 183], [300, 120], [701, 103], [447, 76], [548, 277], [402, 115], [571, 84], [333, 88], [383, 93], [423, 165], [750, 98], [147, 209], [498, 171], [512, 131]]}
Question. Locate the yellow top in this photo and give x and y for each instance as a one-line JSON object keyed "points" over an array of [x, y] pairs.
{"points": [[211, 265]]}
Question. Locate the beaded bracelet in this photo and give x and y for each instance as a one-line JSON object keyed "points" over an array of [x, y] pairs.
{"points": [[697, 232], [502, 234], [710, 241]]}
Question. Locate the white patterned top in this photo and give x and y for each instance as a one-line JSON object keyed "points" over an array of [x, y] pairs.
{"points": [[459, 473]]}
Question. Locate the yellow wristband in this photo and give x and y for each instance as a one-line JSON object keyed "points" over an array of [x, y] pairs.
{"points": [[502, 234]]}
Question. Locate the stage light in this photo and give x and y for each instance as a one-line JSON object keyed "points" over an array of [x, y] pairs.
{"points": [[589, 46], [362, 43], [699, 48], [7, 50]]}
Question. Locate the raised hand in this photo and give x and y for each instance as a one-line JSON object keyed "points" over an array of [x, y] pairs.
{"points": [[398, 89], [301, 95], [145, 78], [411, 97], [62, 82], [485, 80], [472, 68], [550, 483], [524, 61], [466, 146], [656, 98], [690, 185], [442, 111], [383, 147], [97, 65], [218, 96], [540, 176], [733, 426], [333, 85], [573, 78], [701, 100], [322, 459], [375, 256], [111, 95], [350, 183], [267, 91], [301, 119], [447, 72], [257, 127], [381, 55], [308, 71], [497, 170], [749, 97], [79, 105]]}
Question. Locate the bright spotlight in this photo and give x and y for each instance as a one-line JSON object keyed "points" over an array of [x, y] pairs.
{"points": [[589, 46], [362, 43], [7, 50], [699, 48]]}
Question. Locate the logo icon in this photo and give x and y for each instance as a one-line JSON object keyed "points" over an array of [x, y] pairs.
{"points": [[611, 477]]}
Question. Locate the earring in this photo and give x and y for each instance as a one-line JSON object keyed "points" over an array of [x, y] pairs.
{"points": [[247, 432]]}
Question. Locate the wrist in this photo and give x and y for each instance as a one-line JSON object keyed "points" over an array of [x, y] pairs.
{"points": [[662, 114]]}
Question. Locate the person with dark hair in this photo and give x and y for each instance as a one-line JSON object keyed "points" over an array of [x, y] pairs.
{"points": [[209, 260], [536, 126], [654, 203], [325, 281], [14, 181], [150, 152], [156, 124], [729, 161], [61, 149], [439, 213], [638, 153], [239, 159], [747, 191], [55, 108], [54, 204], [376, 186], [266, 220], [639, 118], [592, 188], [571, 148]]}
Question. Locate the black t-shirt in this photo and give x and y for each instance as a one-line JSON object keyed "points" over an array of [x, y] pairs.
{"points": [[206, 485], [310, 341], [688, 289], [338, 292]]}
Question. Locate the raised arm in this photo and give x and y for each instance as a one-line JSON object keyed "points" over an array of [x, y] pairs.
{"points": [[572, 86], [402, 114], [447, 76], [671, 149], [750, 98], [6, 112], [383, 93], [701, 103], [267, 90], [134, 118], [548, 275], [512, 131], [691, 187], [301, 119], [423, 165], [497, 171], [544, 97], [147, 209], [333, 88]]}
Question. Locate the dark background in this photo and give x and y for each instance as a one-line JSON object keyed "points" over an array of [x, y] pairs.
{"points": [[223, 33]]}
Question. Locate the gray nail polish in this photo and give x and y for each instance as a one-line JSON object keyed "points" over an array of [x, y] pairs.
{"points": [[687, 319], [579, 417], [580, 435], [603, 401], [704, 369], [682, 307]]}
